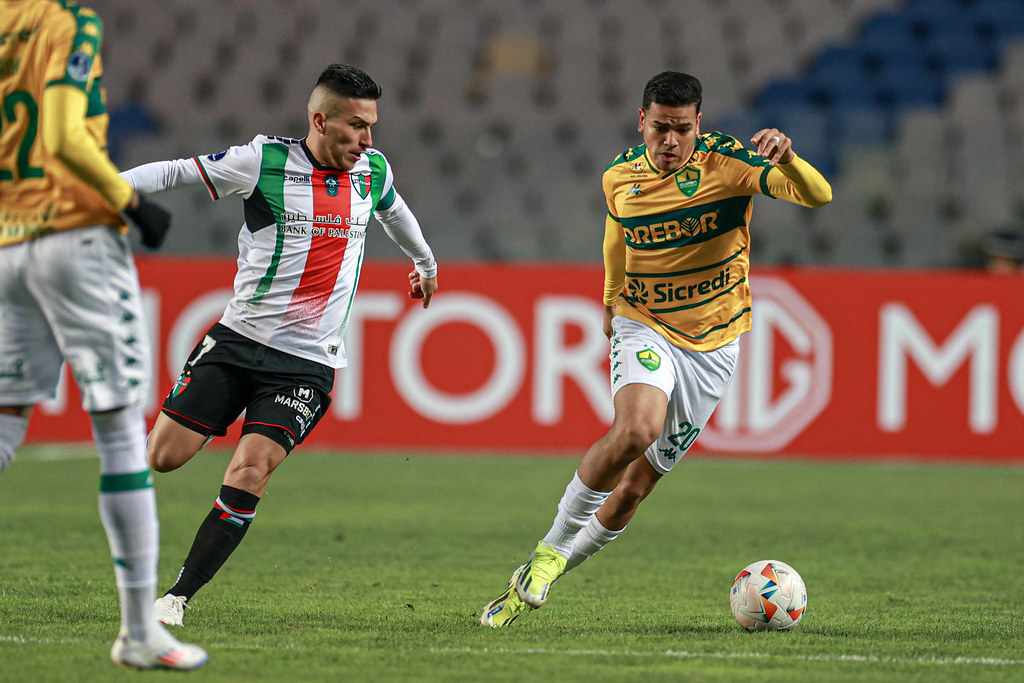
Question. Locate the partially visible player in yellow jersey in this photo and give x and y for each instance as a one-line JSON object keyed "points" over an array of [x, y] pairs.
{"points": [[677, 243], [69, 290], [676, 253]]}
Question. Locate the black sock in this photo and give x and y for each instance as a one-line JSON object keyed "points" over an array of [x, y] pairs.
{"points": [[218, 536]]}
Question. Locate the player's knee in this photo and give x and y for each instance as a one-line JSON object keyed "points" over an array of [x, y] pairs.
{"points": [[635, 437], [164, 458], [249, 474]]}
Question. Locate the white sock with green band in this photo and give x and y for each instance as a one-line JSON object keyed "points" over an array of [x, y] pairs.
{"points": [[128, 512], [575, 510]]}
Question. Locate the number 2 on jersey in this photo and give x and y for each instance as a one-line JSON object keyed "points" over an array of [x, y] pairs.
{"points": [[21, 102]]}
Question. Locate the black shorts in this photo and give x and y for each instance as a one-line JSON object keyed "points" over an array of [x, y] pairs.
{"points": [[283, 396]]}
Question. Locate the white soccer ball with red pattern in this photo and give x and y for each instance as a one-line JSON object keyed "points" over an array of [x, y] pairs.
{"points": [[768, 595]]}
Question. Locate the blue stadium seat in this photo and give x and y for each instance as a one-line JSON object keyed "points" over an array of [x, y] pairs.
{"points": [[785, 93], [907, 83], [1000, 20], [840, 75], [839, 63], [961, 52], [882, 32]]}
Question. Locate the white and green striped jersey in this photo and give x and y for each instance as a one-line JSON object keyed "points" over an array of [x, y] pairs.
{"points": [[301, 247]]}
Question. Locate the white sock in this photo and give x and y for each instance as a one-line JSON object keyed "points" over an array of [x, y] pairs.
{"points": [[591, 538], [12, 432], [575, 510], [128, 512]]}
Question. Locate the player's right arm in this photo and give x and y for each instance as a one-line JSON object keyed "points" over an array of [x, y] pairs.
{"points": [[233, 171], [157, 176]]}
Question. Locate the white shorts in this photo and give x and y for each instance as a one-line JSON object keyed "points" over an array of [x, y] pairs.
{"points": [[693, 381], [73, 296]]}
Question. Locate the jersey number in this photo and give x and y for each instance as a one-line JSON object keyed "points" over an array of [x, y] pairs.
{"points": [[19, 99]]}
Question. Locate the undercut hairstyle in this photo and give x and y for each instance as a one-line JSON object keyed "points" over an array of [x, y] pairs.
{"points": [[345, 80], [672, 89]]}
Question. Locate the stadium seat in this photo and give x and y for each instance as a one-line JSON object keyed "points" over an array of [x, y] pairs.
{"points": [[784, 93], [884, 32]]}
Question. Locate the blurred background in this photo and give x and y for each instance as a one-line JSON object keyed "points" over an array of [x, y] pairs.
{"points": [[499, 116]]}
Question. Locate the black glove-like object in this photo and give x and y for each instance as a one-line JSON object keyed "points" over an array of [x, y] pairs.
{"points": [[152, 220]]}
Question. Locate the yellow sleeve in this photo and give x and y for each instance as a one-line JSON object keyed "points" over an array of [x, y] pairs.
{"points": [[614, 260], [65, 136], [800, 183]]}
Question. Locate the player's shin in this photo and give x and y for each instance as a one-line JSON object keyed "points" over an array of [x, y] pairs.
{"points": [[575, 510], [218, 536], [128, 511], [591, 538]]}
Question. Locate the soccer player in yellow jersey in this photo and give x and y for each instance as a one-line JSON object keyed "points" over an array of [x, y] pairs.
{"points": [[69, 290], [676, 253]]}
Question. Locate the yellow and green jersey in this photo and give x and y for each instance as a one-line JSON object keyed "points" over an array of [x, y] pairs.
{"points": [[686, 239], [45, 43]]}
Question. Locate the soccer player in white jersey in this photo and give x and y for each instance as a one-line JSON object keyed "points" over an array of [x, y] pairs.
{"points": [[69, 290], [273, 354], [676, 254]]}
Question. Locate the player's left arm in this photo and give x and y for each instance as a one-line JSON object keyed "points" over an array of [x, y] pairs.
{"points": [[789, 177], [401, 226], [71, 70]]}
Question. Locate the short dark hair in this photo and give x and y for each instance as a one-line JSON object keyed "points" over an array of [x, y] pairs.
{"points": [[346, 80], [672, 89]]}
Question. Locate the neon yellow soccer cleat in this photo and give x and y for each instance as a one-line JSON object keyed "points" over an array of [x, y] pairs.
{"points": [[503, 610], [538, 575]]}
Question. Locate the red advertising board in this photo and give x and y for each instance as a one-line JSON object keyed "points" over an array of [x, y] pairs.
{"points": [[512, 358]]}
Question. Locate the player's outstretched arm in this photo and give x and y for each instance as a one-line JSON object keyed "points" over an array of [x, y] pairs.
{"points": [[792, 178]]}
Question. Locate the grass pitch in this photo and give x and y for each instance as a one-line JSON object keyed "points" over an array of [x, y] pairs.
{"points": [[375, 568]]}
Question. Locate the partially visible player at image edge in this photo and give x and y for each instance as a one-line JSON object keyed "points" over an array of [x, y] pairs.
{"points": [[273, 354], [69, 290], [677, 299]]}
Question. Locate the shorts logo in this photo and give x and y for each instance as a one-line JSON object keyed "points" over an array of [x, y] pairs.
{"points": [[303, 393], [181, 384], [649, 359], [331, 183], [688, 180]]}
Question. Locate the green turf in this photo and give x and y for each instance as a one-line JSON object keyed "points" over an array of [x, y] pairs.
{"points": [[374, 568]]}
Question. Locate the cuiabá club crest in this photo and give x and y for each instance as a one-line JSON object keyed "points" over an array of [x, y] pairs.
{"points": [[688, 180]]}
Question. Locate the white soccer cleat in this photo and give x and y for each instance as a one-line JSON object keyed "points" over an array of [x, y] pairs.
{"points": [[163, 651], [170, 609]]}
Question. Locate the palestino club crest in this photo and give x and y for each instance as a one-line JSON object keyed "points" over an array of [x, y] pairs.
{"points": [[361, 182]]}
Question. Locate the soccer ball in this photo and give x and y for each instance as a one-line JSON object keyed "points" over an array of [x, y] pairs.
{"points": [[768, 595]]}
